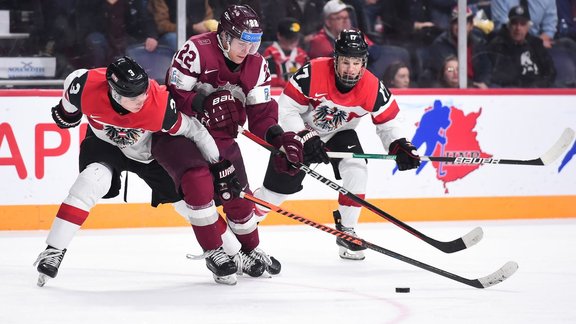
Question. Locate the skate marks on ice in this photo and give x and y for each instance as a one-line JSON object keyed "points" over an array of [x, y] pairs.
{"points": [[143, 276]]}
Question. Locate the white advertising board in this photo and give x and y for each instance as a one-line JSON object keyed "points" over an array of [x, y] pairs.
{"points": [[38, 161]]}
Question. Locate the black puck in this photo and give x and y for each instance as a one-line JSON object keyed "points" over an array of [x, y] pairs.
{"points": [[402, 289]]}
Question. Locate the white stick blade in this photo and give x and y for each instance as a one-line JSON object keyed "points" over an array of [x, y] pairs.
{"points": [[473, 237], [559, 147], [502, 274]]}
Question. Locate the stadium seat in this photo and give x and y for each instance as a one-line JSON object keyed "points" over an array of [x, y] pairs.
{"points": [[565, 64], [383, 55], [155, 63]]}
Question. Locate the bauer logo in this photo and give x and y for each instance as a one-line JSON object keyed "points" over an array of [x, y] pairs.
{"points": [[447, 131]]}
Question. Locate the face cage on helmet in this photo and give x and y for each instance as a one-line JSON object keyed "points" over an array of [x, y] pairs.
{"points": [[347, 81]]}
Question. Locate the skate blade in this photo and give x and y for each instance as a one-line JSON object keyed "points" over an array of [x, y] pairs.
{"points": [[351, 255], [266, 274], [42, 279], [226, 280]]}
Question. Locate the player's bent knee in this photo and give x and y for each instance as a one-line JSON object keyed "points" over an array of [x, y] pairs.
{"points": [[197, 186], [243, 228], [90, 186], [354, 173]]}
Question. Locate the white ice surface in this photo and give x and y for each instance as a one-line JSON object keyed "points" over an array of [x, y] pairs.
{"points": [[142, 276]]}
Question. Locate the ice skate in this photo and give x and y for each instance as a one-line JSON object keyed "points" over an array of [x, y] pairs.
{"points": [[222, 266], [252, 263], [347, 250], [272, 266], [48, 263]]}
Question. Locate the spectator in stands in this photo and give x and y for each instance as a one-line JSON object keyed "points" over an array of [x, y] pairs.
{"points": [[218, 6], [520, 59], [543, 15], [109, 26], [336, 18], [441, 12], [284, 56], [53, 33], [566, 18], [199, 19], [406, 23], [305, 11], [397, 75], [448, 76], [359, 20], [445, 45]]}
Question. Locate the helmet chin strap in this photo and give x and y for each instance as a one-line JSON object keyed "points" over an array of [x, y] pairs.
{"points": [[220, 44]]}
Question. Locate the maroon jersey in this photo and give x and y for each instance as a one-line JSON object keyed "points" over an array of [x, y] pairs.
{"points": [[87, 91], [200, 68]]}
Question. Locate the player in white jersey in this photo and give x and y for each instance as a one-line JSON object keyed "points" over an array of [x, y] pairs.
{"points": [[123, 108], [323, 103]]}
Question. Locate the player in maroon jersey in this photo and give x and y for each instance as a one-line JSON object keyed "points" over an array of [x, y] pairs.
{"points": [[323, 103], [220, 78], [123, 108]]}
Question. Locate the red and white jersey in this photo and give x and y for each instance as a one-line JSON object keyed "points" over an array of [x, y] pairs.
{"points": [[199, 67], [284, 65], [87, 91], [311, 100]]}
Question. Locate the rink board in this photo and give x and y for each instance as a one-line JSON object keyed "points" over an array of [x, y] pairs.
{"points": [[38, 164]]}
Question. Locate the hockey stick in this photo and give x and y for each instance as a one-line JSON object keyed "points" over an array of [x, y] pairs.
{"points": [[458, 244], [550, 156], [490, 280]]}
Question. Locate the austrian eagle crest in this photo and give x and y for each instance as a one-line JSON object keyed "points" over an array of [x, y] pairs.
{"points": [[329, 118], [122, 137]]}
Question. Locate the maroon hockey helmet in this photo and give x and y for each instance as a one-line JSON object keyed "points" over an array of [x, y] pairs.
{"points": [[242, 22]]}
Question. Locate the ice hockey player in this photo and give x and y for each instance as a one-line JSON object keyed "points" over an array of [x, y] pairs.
{"points": [[323, 103], [123, 108], [220, 78]]}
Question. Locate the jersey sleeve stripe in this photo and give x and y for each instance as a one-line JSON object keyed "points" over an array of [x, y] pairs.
{"points": [[387, 114], [295, 94]]}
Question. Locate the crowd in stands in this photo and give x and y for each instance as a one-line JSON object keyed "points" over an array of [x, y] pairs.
{"points": [[413, 43]]}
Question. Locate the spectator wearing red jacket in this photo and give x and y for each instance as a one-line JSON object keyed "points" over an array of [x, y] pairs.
{"points": [[336, 19], [285, 56]]}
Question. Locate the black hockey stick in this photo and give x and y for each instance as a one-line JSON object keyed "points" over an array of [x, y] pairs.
{"points": [[458, 244], [561, 145], [492, 279]]}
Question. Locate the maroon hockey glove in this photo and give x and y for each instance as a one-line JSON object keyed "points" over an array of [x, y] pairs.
{"points": [[314, 150], [220, 111], [293, 149], [64, 119], [226, 183], [406, 156]]}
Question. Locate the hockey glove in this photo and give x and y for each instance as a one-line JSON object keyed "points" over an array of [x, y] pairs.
{"points": [[293, 147], [314, 151], [226, 183], [220, 112], [406, 156], [64, 119]]}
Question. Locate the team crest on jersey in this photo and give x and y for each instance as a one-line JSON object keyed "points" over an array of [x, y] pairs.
{"points": [[123, 137], [329, 118]]}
